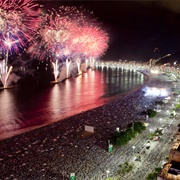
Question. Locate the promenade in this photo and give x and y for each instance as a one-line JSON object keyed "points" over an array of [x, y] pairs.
{"points": [[57, 150]]}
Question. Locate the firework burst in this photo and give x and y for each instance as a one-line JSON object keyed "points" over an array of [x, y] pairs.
{"points": [[19, 20], [57, 32], [91, 42], [94, 41]]}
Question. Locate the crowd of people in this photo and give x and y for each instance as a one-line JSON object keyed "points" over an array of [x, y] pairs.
{"points": [[59, 149]]}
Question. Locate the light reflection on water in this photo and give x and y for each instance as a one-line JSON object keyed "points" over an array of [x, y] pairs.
{"points": [[30, 107], [8, 111]]}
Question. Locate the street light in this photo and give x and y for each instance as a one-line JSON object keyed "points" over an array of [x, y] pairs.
{"points": [[107, 171], [133, 148], [150, 130]]}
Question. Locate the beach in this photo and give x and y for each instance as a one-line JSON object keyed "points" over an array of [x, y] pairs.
{"points": [[57, 150]]}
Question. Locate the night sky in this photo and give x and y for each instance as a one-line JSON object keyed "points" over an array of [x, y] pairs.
{"points": [[135, 28]]}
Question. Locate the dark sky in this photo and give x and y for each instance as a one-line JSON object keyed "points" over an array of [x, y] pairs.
{"points": [[135, 28]]}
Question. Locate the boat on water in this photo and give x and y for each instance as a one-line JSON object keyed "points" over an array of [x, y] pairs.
{"points": [[6, 87]]}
